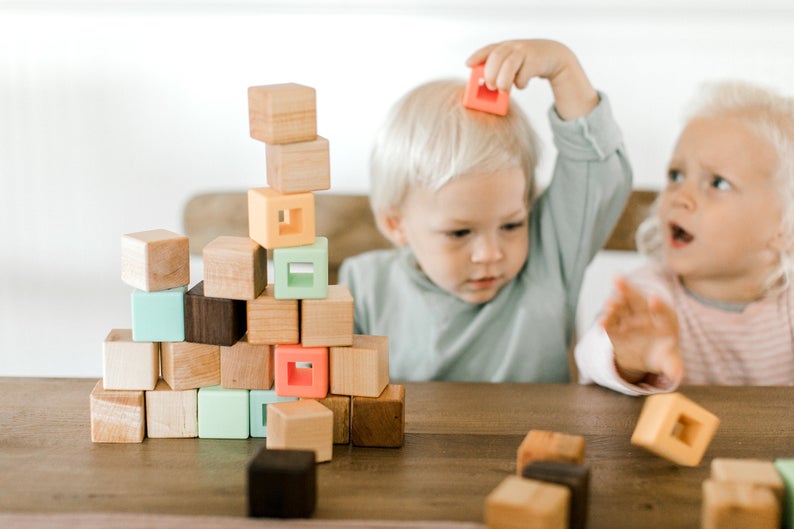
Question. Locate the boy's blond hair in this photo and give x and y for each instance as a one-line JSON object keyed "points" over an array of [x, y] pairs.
{"points": [[430, 138], [771, 116]]}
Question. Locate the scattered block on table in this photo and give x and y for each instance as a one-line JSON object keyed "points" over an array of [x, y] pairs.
{"points": [[189, 365], [301, 371], [222, 413], [127, 364], [786, 469], [329, 321], [277, 220], [299, 167], [753, 471], [477, 96], [518, 503], [171, 413], [282, 484], [271, 320], [301, 425], [735, 505], [542, 445], [379, 421], [575, 477], [155, 260], [158, 316], [234, 268], [340, 406], [213, 321], [301, 272], [675, 428], [282, 113], [247, 366], [117, 416], [258, 400], [361, 369]]}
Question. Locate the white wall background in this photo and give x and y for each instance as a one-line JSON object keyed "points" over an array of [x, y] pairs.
{"points": [[113, 114]]}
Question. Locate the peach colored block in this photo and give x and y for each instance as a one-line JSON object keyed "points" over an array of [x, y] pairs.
{"points": [[117, 416], [736, 505], [155, 260], [542, 445], [361, 369], [477, 96], [247, 366], [278, 220], [299, 167], [234, 268], [301, 425], [301, 371], [127, 364], [271, 320], [328, 322], [188, 365], [282, 113], [753, 471], [518, 503]]}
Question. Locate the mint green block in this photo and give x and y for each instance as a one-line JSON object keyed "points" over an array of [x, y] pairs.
{"points": [[259, 400], [222, 413], [301, 272], [785, 468], [158, 316]]}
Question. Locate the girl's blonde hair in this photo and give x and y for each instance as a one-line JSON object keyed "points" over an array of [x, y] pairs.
{"points": [[771, 116], [430, 138]]}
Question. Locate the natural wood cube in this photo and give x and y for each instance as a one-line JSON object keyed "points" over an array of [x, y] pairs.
{"points": [[675, 428], [477, 96], [211, 320], [171, 413], [575, 477], [189, 365], [155, 260], [282, 484], [379, 421], [340, 406], [271, 320], [328, 322], [518, 503], [127, 364], [362, 369], [117, 416], [299, 167], [301, 371], [542, 445], [753, 471], [247, 366], [735, 505], [278, 220], [301, 425], [282, 113], [234, 268]]}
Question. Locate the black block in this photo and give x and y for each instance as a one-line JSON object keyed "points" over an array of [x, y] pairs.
{"points": [[575, 477], [214, 321], [282, 484]]}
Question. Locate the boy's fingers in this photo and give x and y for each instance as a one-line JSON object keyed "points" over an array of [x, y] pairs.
{"points": [[479, 56]]}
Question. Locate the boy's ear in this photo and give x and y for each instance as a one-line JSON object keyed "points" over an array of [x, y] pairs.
{"points": [[390, 225]]}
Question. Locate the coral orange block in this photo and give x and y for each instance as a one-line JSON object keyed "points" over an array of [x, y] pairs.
{"points": [[477, 96], [301, 371]]}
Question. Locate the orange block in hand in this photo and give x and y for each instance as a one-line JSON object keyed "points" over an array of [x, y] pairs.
{"points": [[477, 96]]}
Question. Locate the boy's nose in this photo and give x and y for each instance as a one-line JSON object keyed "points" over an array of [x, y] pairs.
{"points": [[486, 250], [684, 197]]}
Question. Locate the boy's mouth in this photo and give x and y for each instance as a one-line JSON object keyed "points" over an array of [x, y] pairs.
{"points": [[679, 236]]}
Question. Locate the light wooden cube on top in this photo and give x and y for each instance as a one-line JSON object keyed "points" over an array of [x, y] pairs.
{"points": [[117, 416], [127, 364], [282, 113], [675, 428], [247, 366], [171, 413], [299, 167], [234, 268], [155, 260], [518, 503], [271, 320], [737, 505], [279, 220], [543, 445], [361, 369], [753, 471], [328, 322], [301, 425], [188, 365]]}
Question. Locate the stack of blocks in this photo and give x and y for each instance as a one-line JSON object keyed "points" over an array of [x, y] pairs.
{"points": [[235, 356]]}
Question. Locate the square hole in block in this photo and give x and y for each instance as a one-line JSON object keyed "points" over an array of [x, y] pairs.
{"points": [[300, 275], [686, 430], [290, 221], [300, 373], [486, 94]]}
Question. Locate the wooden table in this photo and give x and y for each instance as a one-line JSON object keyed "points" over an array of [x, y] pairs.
{"points": [[460, 442]]}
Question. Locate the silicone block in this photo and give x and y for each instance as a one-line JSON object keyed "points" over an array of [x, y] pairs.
{"points": [[222, 413], [259, 399], [786, 469], [301, 371], [477, 96], [277, 220], [301, 272], [158, 316]]}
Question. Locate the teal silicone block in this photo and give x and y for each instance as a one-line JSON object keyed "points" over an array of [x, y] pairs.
{"points": [[222, 413], [301, 272], [158, 316], [259, 399], [785, 468]]}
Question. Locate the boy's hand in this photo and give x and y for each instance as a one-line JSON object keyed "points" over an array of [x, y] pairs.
{"points": [[517, 61], [644, 334]]}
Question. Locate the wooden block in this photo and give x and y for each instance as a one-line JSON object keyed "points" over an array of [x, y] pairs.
{"points": [[379, 421], [127, 364], [247, 366], [282, 484], [299, 167], [518, 503], [117, 416], [158, 316], [234, 268], [575, 477], [189, 365], [301, 425], [542, 445], [477, 96], [282, 113], [675, 428], [271, 320], [785, 468], [258, 400], [171, 413], [340, 406], [155, 260], [328, 322], [213, 321], [222, 413], [301, 371], [362, 369], [736, 505], [753, 471], [301, 272], [278, 220]]}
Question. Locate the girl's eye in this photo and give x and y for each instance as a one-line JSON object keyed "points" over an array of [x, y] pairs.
{"points": [[457, 234], [674, 176], [718, 182], [512, 226]]}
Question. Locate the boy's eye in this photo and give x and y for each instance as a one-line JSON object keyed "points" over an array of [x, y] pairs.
{"points": [[674, 176], [457, 234], [718, 182], [512, 226]]}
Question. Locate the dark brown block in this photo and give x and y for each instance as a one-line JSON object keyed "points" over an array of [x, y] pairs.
{"points": [[214, 321], [575, 477], [282, 484], [379, 421]]}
